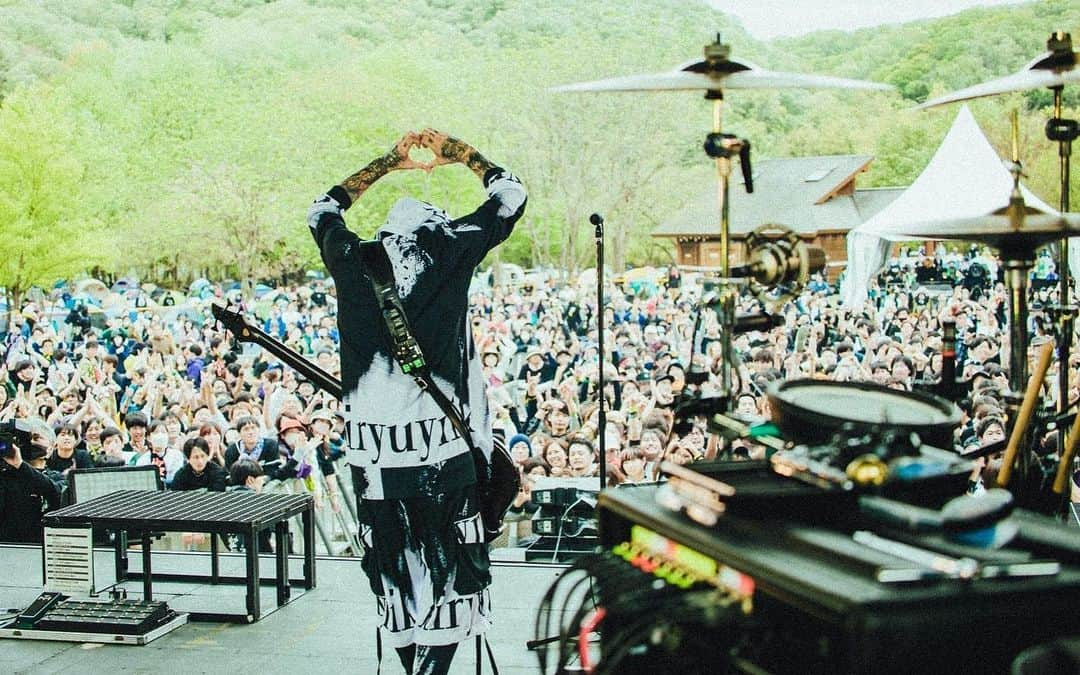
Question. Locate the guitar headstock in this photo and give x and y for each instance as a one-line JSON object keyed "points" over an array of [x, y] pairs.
{"points": [[234, 322]]}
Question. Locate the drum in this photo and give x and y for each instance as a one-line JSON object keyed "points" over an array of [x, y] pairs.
{"points": [[811, 411]]}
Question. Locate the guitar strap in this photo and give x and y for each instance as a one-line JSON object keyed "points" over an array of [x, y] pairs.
{"points": [[403, 345]]}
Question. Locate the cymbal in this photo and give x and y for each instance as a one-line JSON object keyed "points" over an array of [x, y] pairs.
{"points": [[1000, 229], [1054, 68], [1021, 81], [700, 76]]}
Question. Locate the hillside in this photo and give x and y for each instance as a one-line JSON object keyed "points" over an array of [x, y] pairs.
{"points": [[187, 136]]}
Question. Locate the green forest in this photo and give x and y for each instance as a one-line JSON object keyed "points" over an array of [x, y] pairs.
{"points": [[176, 138]]}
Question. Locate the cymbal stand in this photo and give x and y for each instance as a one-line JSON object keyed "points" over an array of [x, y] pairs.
{"points": [[1064, 132], [723, 148], [1018, 262]]}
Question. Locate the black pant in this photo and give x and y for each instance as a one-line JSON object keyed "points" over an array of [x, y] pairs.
{"points": [[424, 660]]}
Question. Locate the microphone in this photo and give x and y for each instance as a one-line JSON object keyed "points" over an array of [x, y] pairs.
{"points": [[948, 387], [596, 219]]}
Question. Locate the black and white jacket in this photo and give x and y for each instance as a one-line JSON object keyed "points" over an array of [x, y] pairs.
{"points": [[396, 433]]}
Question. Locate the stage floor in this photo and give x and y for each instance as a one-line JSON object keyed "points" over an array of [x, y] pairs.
{"points": [[330, 629]]}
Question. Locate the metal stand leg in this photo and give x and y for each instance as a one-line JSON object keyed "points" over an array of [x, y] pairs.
{"points": [[251, 553], [147, 582], [215, 562], [120, 555], [1016, 276], [281, 542], [308, 519], [1064, 132]]}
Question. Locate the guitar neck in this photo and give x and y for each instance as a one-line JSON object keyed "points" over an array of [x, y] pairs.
{"points": [[319, 377]]}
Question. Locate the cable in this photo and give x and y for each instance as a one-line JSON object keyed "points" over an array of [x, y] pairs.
{"points": [[558, 539], [620, 646], [645, 603], [601, 565], [587, 627], [545, 610], [589, 569], [615, 574], [614, 588]]}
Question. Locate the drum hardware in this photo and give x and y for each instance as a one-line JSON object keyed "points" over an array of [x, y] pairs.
{"points": [[878, 460], [1015, 231], [812, 411], [1053, 69], [700, 497], [976, 521], [987, 450], [713, 74], [780, 263], [732, 429], [947, 387], [955, 568], [1061, 478], [808, 594], [811, 471]]}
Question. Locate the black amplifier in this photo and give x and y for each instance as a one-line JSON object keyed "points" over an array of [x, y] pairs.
{"points": [[777, 591]]}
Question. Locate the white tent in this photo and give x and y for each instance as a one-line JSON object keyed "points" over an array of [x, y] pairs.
{"points": [[964, 179]]}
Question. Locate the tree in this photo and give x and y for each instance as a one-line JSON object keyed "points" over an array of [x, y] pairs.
{"points": [[226, 215], [43, 228]]}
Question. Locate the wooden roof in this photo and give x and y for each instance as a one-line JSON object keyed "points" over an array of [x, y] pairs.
{"points": [[804, 194]]}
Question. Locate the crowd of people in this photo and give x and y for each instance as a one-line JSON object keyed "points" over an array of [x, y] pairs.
{"points": [[167, 386]]}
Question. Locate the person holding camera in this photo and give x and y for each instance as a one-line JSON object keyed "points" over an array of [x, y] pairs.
{"points": [[23, 492]]}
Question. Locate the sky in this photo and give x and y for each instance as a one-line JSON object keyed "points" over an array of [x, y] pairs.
{"points": [[767, 19]]}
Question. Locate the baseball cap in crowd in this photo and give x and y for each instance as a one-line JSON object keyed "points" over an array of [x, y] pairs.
{"points": [[323, 414], [287, 423]]}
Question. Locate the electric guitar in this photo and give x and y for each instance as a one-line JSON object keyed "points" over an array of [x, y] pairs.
{"points": [[498, 481], [243, 331]]}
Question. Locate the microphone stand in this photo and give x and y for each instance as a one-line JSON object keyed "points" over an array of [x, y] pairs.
{"points": [[597, 220]]}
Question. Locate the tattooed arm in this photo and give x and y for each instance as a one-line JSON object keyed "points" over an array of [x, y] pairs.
{"points": [[326, 214], [450, 150], [478, 232], [396, 159]]}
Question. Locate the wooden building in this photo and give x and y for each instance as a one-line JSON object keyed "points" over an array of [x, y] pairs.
{"points": [[815, 197]]}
